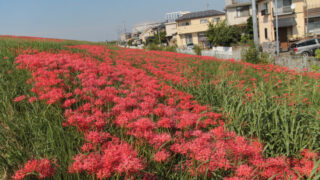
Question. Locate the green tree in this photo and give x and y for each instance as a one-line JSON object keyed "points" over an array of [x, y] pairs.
{"points": [[318, 53], [222, 34], [162, 35], [130, 42], [249, 29]]}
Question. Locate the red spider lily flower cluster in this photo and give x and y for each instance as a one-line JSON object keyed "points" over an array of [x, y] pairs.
{"points": [[96, 94], [42, 168]]}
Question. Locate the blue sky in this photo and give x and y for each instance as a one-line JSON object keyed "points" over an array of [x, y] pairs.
{"points": [[92, 20]]}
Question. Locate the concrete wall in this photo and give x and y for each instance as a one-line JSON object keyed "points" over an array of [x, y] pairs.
{"points": [[218, 52]]}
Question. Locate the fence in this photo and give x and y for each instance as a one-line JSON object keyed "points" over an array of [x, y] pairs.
{"points": [[218, 52]]}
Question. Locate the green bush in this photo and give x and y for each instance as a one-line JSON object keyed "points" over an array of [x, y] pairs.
{"points": [[197, 50], [170, 49], [155, 47], [130, 42], [252, 55], [318, 53], [222, 34]]}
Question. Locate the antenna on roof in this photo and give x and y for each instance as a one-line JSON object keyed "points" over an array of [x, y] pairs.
{"points": [[124, 27], [207, 5]]}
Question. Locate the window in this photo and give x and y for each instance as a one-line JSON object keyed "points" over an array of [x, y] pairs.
{"points": [[216, 20], [311, 42], [189, 39], [287, 2], [265, 33], [185, 23], [264, 9], [243, 11], [204, 21], [202, 37]]}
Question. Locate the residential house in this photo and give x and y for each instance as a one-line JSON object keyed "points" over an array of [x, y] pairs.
{"points": [[238, 11], [139, 28], [125, 37], [171, 26], [312, 11], [151, 31], [192, 27], [292, 18]]}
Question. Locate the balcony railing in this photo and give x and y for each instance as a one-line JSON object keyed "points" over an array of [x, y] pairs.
{"points": [[314, 27], [284, 10]]}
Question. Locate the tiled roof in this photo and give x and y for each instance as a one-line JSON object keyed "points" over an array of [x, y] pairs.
{"points": [[200, 14]]}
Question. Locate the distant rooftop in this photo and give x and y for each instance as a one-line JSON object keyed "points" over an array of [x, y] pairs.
{"points": [[200, 14]]}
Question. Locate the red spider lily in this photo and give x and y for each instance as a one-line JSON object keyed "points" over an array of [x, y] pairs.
{"points": [[96, 94], [20, 98], [43, 168]]}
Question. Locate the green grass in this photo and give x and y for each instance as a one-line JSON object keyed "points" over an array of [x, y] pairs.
{"points": [[31, 130], [283, 129]]}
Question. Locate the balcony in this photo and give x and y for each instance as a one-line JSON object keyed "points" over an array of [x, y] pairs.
{"points": [[284, 10]]}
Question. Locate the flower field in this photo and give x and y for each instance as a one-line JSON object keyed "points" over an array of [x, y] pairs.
{"points": [[79, 110]]}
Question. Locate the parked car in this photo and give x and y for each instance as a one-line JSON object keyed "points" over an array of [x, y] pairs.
{"points": [[190, 46], [306, 48]]}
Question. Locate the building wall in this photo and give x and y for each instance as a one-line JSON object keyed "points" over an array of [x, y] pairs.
{"points": [[233, 19], [266, 21], [194, 28], [171, 28], [313, 3], [300, 18]]}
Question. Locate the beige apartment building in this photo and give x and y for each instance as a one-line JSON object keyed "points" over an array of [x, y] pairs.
{"points": [[171, 26], [192, 27], [293, 16], [238, 11]]}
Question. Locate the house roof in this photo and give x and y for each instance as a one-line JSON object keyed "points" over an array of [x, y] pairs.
{"points": [[238, 5], [200, 14], [285, 22]]}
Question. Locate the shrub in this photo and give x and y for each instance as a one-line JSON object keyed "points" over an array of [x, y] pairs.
{"points": [[130, 42], [222, 34], [170, 49], [318, 53], [251, 54], [197, 50], [155, 47]]}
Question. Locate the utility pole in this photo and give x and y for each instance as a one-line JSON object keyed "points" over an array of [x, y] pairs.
{"points": [[124, 27], [254, 22], [277, 28], [307, 17], [159, 36], [207, 5]]}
